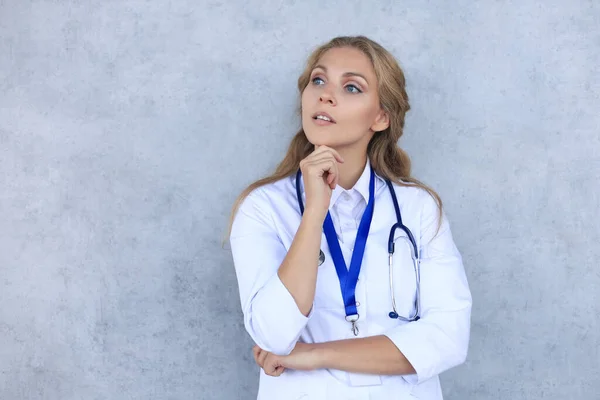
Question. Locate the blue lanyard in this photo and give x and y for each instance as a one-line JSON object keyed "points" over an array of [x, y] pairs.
{"points": [[349, 277]]}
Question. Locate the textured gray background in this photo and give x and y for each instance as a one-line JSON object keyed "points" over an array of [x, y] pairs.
{"points": [[127, 128]]}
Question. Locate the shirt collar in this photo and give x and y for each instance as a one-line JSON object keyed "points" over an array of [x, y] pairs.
{"points": [[361, 186]]}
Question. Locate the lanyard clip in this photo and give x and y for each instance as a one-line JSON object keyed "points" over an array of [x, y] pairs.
{"points": [[354, 328], [353, 319]]}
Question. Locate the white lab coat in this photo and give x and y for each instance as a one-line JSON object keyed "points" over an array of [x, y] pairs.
{"points": [[262, 233]]}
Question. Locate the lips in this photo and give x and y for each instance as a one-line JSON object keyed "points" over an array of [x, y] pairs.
{"points": [[323, 116]]}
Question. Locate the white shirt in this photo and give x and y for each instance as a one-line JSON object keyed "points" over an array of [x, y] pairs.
{"points": [[262, 233]]}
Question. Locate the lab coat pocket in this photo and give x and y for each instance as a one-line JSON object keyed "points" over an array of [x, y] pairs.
{"points": [[291, 385]]}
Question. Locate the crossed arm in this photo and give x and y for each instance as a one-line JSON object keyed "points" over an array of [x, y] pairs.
{"points": [[435, 343], [370, 355]]}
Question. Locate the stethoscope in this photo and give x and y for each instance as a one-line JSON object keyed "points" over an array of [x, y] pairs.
{"points": [[391, 248]]}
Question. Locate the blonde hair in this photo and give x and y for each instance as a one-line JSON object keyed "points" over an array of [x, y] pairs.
{"points": [[387, 159]]}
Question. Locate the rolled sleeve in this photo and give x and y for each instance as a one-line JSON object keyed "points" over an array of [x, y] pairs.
{"points": [[439, 340], [271, 316]]}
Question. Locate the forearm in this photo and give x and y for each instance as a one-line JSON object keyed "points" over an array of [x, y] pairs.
{"points": [[298, 271], [370, 355]]}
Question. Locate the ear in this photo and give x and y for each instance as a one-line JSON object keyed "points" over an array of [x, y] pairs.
{"points": [[382, 122]]}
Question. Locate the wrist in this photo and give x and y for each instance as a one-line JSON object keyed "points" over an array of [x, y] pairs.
{"points": [[314, 216], [321, 355]]}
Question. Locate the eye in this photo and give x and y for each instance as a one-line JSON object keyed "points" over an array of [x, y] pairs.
{"points": [[353, 89], [316, 80]]}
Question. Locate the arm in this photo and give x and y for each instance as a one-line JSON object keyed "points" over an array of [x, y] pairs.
{"points": [[276, 286], [298, 271], [440, 339], [370, 355], [417, 350]]}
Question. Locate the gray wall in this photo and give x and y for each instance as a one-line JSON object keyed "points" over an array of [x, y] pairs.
{"points": [[127, 128]]}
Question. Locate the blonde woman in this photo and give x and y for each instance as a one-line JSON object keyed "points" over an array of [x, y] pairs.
{"points": [[350, 282]]}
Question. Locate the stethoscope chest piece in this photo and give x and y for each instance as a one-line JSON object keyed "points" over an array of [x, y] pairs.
{"points": [[321, 257]]}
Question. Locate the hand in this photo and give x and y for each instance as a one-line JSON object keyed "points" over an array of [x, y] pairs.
{"points": [[320, 175], [260, 356], [304, 357]]}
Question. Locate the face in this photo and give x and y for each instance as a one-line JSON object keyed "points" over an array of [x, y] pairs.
{"points": [[340, 105]]}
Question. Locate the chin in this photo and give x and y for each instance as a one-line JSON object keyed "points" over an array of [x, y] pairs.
{"points": [[318, 139]]}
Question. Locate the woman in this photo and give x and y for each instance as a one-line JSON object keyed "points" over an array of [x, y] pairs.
{"points": [[310, 247]]}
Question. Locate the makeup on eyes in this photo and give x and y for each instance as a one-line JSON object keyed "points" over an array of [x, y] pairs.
{"points": [[345, 74], [355, 84]]}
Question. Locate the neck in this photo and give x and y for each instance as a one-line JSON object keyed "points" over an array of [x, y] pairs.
{"points": [[351, 169]]}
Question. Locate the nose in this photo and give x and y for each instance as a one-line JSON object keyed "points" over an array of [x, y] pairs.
{"points": [[327, 97]]}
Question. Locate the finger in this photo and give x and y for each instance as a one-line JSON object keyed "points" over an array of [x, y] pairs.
{"points": [[334, 172], [269, 371], [256, 352], [332, 177], [328, 152], [321, 158], [321, 167], [316, 164], [332, 181], [333, 152], [278, 371], [261, 358], [326, 168], [270, 366], [318, 149], [331, 169]]}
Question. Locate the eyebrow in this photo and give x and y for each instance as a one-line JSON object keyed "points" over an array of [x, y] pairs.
{"points": [[345, 74]]}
